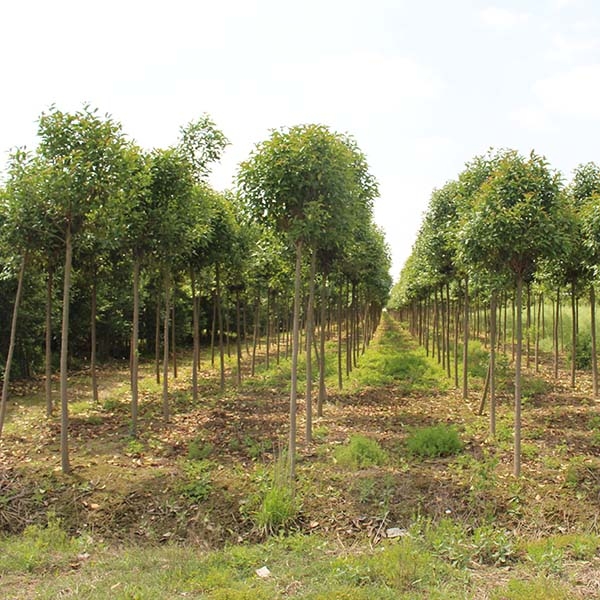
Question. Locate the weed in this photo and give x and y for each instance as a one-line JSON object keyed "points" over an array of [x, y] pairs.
{"points": [[199, 449], [320, 433], [492, 546], [112, 405], [446, 539], [134, 447], [431, 442], [545, 556], [361, 452], [197, 483], [256, 448], [39, 548], [583, 351], [537, 589], [278, 507]]}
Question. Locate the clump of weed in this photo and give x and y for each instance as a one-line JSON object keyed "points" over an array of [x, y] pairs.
{"points": [[361, 452], [134, 447], [540, 588], [277, 505], [320, 433], [451, 541], [256, 448], [431, 442], [196, 484], [199, 449], [38, 548], [583, 351]]}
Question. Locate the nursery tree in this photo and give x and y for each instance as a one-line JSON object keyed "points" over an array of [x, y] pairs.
{"points": [[84, 152], [514, 222], [301, 180]]}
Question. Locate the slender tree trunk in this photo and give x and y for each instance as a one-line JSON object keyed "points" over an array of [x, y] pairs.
{"points": [[593, 333], [213, 331], [268, 332], [64, 355], [518, 361], [465, 389], [11, 344], [448, 313], [555, 333], [157, 337], [493, 304], [93, 340], [278, 330], [173, 332], [295, 348], [134, 345], [310, 321], [238, 344], [256, 333], [434, 341], [48, 381], [573, 334], [245, 327], [220, 322], [322, 335], [456, 335], [513, 333], [196, 337], [165, 390], [227, 329], [339, 352], [537, 334], [528, 325]]}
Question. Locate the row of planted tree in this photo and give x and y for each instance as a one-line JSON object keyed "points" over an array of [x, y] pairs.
{"points": [[507, 233], [150, 256]]}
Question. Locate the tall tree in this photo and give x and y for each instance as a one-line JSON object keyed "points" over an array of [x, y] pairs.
{"points": [[515, 221], [301, 180], [85, 154]]}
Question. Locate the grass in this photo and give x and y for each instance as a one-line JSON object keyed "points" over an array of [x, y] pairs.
{"points": [[361, 452], [431, 442]]}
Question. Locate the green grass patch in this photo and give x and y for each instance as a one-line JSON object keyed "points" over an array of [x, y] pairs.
{"points": [[361, 452], [277, 505], [433, 442], [394, 359]]}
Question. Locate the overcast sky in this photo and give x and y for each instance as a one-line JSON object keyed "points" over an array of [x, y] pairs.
{"points": [[422, 86]]}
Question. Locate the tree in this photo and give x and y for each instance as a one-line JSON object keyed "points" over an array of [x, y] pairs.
{"points": [[85, 155], [302, 180], [585, 189], [170, 196], [514, 222]]}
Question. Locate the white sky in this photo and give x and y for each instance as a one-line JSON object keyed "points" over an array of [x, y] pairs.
{"points": [[423, 86]]}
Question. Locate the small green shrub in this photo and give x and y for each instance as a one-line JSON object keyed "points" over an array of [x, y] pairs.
{"points": [[196, 484], [361, 452], [320, 433], [546, 556], [256, 448], [134, 447], [431, 442], [583, 351], [199, 449], [112, 404], [492, 546]]}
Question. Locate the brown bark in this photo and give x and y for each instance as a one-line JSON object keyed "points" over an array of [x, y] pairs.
{"points": [[11, 343]]}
